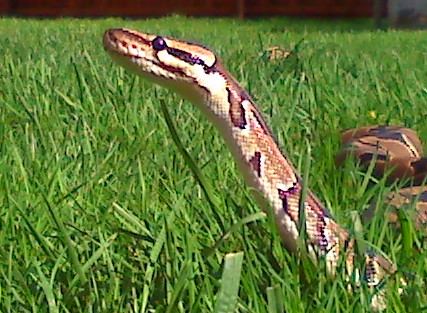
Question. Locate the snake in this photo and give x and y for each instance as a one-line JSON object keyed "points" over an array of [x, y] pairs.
{"points": [[198, 75], [395, 154]]}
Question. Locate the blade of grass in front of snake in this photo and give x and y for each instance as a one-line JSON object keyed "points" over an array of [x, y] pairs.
{"points": [[203, 183], [407, 232], [367, 177], [307, 263]]}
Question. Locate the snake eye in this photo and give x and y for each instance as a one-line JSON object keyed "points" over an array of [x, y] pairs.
{"points": [[159, 43]]}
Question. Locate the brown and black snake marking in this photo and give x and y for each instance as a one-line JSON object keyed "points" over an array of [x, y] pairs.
{"points": [[237, 112], [255, 162]]}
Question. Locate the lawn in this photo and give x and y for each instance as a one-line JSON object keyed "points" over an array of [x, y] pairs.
{"points": [[100, 212]]}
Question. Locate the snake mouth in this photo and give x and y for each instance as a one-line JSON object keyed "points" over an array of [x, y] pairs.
{"points": [[109, 41]]}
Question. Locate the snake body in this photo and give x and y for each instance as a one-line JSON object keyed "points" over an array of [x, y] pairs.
{"points": [[197, 74], [396, 153]]}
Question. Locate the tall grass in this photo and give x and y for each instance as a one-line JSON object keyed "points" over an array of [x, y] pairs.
{"points": [[100, 212]]}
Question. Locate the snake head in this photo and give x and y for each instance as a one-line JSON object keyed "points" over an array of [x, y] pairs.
{"points": [[179, 65]]}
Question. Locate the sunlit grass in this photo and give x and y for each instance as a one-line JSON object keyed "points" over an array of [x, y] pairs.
{"points": [[100, 212]]}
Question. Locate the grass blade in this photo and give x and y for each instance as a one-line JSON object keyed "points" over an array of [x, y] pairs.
{"points": [[72, 251], [204, 184], [227, 297], [274, 300]]}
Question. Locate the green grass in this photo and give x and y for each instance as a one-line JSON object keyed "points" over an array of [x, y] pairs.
{"points": [[100, 212]]}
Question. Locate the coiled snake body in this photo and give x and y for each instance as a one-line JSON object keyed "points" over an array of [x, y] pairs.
{"points": [[396, 153], [198, 75]]}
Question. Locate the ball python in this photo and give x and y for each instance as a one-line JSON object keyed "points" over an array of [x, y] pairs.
{"points": [[396, 153], [197, 74]]}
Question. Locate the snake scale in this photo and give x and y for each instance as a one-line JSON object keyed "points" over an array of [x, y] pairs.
{"points": [[197, 74]]}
